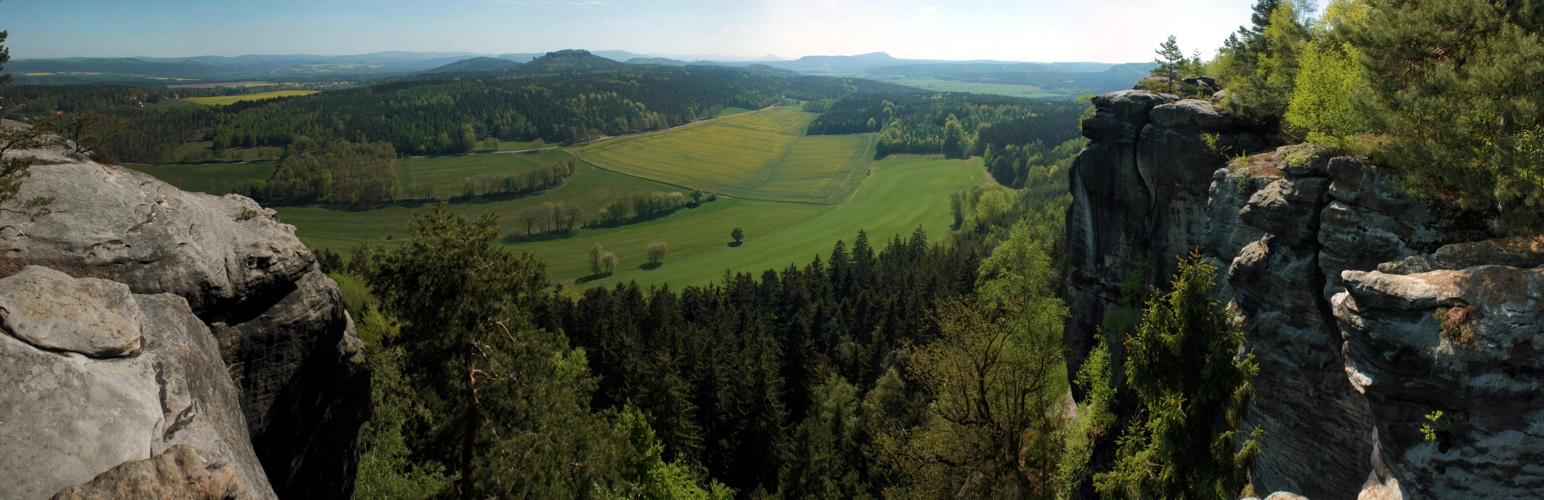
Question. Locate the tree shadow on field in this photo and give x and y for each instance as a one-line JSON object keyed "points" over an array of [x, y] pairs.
{"points": [[734, 244], [592, 277], [512, 238], [651, 266]]}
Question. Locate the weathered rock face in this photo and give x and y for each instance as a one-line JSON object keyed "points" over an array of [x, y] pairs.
{"points": [[1316, 428], [1299, 232], [1465, 337], [68, 414], [281, 329], [1139, 189], [176, 473]]}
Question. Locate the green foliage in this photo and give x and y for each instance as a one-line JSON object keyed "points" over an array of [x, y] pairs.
{"points": [[1457, 90], [1427, 430], [825, 457], [738, 234], [997, 378], [503, 396], [657, 251], [15, 169], [1094, 421], [1187, 441], [1171, 62], [1260, 70], [1328, 86], [338, 172], [955, 125], [597, 265], [650, 475]]}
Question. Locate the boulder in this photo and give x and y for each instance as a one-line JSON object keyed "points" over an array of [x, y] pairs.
{"points": [[68, 416], [176, 473], [282, 331], [45, 308], [1287, 208]]}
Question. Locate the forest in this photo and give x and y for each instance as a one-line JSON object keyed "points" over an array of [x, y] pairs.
{"points": [[1013, 133]]}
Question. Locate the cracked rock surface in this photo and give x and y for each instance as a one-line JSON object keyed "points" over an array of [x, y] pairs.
{"points": [[277, 322], [67, 416]]}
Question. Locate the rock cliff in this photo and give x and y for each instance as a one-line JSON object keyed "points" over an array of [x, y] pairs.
{"points": [[1339, 278], [276, 323]]}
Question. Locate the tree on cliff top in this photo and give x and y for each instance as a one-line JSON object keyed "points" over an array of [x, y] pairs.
{"points": [[1195, 389], [14, 170], [1458, 92]]}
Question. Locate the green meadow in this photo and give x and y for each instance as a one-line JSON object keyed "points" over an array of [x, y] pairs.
{"points": [[210, 178], [447, 176]]}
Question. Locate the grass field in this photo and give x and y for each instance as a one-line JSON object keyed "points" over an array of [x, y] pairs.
{"points": [[232, 99], [447, 174], [521, 146], [732, 111], [212, 178], [978, 88], [763, 156], [903, 194], [343, 228]]}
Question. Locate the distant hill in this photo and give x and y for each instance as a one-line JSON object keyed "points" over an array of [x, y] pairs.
{"points": [[119, 66], [1058, 78], [567, 60], [476, 64], [662, 61]]}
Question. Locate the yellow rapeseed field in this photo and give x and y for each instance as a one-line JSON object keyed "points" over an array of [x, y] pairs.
{"points": [[762, 156]]}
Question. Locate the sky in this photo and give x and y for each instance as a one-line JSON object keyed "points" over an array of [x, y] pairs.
{"points": [[1014, 30]]}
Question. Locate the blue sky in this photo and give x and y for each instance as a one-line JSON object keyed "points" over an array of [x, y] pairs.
{"points": [[1022, 30]]}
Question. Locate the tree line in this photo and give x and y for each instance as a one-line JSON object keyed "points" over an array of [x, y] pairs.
{"points": [[335, 172]]}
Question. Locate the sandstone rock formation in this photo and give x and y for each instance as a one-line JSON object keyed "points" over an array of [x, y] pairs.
{"points": [[278, 321], [1334, 271], [176, 473], [1461, 335], [71, 411]]}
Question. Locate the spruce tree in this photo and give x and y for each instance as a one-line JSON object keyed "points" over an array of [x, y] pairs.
{"points": [[1183, 363]]}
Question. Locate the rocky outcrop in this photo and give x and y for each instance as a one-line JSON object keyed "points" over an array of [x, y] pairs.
{"points": [[176, 473], [72, 411], [278, 321], [1334, 272], [1139, 190], [1464, 336]]}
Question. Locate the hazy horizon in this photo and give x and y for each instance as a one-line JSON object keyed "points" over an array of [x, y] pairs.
{"points": [[1032, 31]]}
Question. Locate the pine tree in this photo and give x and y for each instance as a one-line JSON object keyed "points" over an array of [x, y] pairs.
{"points": [[1170, 61], [1458, 89]]}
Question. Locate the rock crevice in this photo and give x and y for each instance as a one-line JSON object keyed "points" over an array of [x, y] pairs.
{"points": [[275, 323]]}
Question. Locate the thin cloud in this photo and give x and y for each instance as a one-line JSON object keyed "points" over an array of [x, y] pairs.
{"points": [[929, 10]]}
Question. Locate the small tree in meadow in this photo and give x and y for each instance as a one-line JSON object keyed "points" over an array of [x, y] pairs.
{"points": [[609, 262], [596, 253], [738, 234], [657, 251]]}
